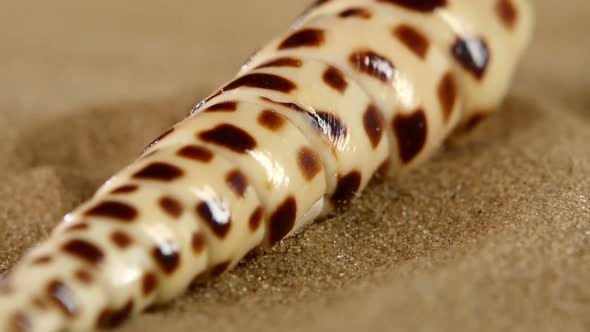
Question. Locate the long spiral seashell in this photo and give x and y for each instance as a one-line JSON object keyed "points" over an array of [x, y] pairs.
{"points": [[355, 88]]}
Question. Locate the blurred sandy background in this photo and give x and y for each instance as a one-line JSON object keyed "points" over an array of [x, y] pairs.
{"points": [[492, 235]]}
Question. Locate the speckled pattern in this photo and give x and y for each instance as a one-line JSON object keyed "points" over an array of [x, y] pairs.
{"points": [[359, 90], [422, 174]]}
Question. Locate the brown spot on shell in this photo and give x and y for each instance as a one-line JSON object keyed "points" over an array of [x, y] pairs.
{"points": [[424, 6], [373, 64], [230, 137], [507, 13], [335, 79], [309, 162], [374, 124], [114, 210], [195, 152], [83, 250], [303, 38], [63, 297], [198, 242], [237, 182], [282, 62], [348, 185], [228, 106], [216, 216], [282, 220], [356, 12], [262, 81], [411, 131], [473, 55], [171, 206], [256, 219], [271, 120], [218, 269], [84, 277], [167, 257], [42, 260], [447, 94], [77, 227], [149, 283], [121, 240], [159, 171], [111, 318], [413, 39], [125, 189]]}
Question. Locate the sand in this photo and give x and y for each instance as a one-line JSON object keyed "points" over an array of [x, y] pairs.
{"points": [[493, 234]]}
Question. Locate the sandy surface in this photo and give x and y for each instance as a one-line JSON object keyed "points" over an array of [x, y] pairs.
{"points": [[491, 235]]}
